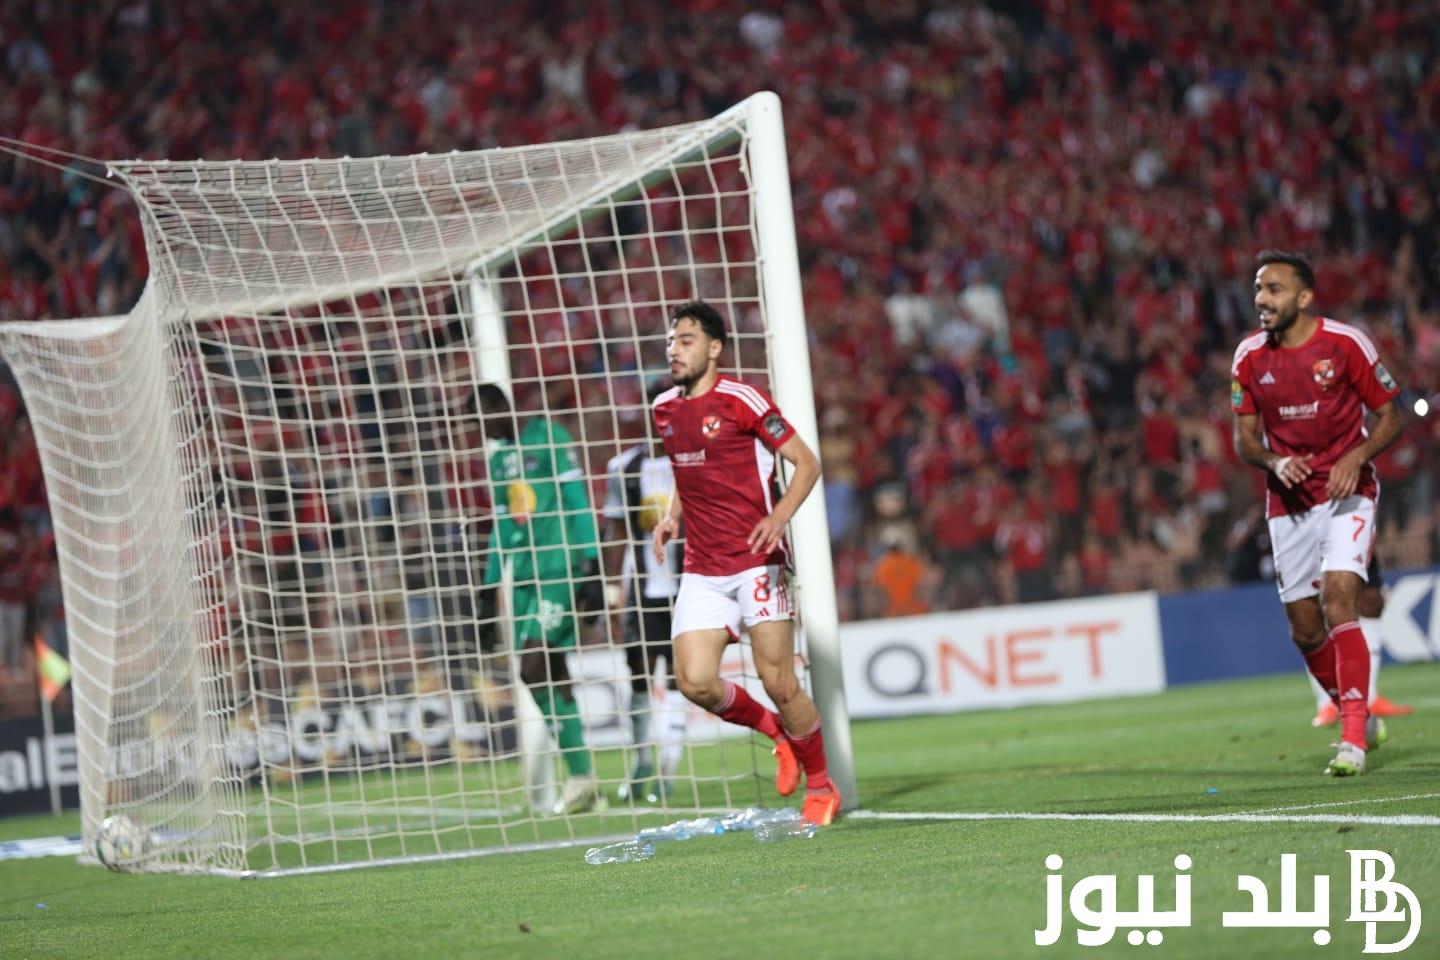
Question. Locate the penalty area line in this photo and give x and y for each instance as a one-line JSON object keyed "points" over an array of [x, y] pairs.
{"points": [[1392, 820]]}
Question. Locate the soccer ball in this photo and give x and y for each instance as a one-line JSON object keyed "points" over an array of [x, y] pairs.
{"points": [[120, 843]]}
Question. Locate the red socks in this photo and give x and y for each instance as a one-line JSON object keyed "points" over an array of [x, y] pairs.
{"points": [[1321, 662], [739, 707], [810, 751], [1352, 680]]}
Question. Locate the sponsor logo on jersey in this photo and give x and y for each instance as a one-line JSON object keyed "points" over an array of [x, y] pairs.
{"points": [[521, 499], [775, 426], [1268, 379], [1324, 373], [1383, 375], [710, 425], [694, 458], [1300, 411], [1237, 394]]}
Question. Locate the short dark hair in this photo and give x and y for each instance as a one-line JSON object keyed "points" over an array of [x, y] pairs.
{"points": [[1296, 261], [702, 313], [488, 399]]}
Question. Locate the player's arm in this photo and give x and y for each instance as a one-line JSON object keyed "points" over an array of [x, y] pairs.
{"points": [[583, 538], [612, 559], [1248, 438], [768, 532], [1250, 447], [668, 528], [1345, 475], [616, 531]]}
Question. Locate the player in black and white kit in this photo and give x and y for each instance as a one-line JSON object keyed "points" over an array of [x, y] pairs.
{"points": [[637, 494]]}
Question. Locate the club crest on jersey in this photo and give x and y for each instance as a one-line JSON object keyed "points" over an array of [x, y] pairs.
{"points": [[710, 426], [1324, 373]]}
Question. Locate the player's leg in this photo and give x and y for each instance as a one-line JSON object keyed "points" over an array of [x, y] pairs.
{"points": [[1371, 608], [671, 718], [766, 610], [641, 724], [773, 645], [1327, 714], [544, 630], [1297, 543], [706, 621], [1345, 553], [1295, 546]]}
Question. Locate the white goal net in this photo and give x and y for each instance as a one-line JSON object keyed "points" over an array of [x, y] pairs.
{"points": [[271, 492]]}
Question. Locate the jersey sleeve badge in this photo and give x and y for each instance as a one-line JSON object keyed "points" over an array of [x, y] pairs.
{"points": [[1383, 375]]}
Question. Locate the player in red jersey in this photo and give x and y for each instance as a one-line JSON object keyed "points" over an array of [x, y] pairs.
{"points": [[722, 436], [1300, 390]]}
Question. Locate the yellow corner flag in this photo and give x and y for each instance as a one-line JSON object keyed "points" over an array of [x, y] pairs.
{"points": [[54, 670]]}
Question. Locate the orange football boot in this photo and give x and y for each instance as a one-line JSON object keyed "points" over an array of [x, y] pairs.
{"points": [[1327, 716], [1385, 707], [787, 770], [820, 808]]}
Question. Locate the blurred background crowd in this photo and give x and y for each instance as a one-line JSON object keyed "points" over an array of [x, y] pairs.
{"points": [[1026, 233]]}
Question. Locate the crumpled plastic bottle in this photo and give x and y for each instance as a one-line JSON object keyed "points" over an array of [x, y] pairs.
{"points": [[626, 851], [752, 817], [682, 830], [778, 831]]}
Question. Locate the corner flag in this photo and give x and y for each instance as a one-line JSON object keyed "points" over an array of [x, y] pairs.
{"points": [[54, 670]]}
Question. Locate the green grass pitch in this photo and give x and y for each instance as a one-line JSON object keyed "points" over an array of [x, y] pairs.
{"points": [[865, 887]]}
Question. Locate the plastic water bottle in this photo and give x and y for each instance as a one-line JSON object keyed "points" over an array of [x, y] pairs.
{"points": [[627, 851], [778, 831], [671, 831], [752, 817], [682, 830]]}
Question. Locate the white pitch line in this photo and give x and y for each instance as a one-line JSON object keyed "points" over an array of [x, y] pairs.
{"points": [[1358, 801], [1397, 820]]}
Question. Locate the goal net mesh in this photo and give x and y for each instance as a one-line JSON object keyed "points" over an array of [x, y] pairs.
{"points": [[270, 494]]}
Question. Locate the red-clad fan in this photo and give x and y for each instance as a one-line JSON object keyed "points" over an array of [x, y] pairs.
{"points": [[1300, 390], [723, 437]]}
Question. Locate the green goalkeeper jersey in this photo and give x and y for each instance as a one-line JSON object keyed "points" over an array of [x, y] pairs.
{"points": [[544, 525]]}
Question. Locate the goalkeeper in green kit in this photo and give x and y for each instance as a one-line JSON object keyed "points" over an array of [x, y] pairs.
{"points": [[545, 533]]}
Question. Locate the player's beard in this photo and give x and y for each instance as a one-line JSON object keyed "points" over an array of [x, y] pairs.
{"points": [[1284, 320], [684, 376]]}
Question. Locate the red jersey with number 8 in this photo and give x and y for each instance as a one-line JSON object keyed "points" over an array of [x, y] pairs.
{"points": [[1312, 399], [722, 446]]}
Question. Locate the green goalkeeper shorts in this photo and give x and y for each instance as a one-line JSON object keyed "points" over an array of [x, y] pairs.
{"points": [[543, 614]]}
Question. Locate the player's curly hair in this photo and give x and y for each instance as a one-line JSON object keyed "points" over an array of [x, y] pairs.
{"points": [[1298, 261], [702, 313]]}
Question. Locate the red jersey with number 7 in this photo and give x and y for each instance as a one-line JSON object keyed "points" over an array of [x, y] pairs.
{"points": [[722, 446], [1312, 399]]}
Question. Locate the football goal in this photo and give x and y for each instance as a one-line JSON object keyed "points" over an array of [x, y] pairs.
{"points": [[271, 492]]}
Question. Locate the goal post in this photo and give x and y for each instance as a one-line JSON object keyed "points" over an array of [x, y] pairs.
{"points": [[795, 394], [272, 507]]}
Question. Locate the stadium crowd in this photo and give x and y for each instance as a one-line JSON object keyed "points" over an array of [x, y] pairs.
{"points": [[1026, 231]]}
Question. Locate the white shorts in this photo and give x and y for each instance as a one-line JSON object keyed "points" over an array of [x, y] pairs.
{"points": [[752, 596], [1336, 535]]}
